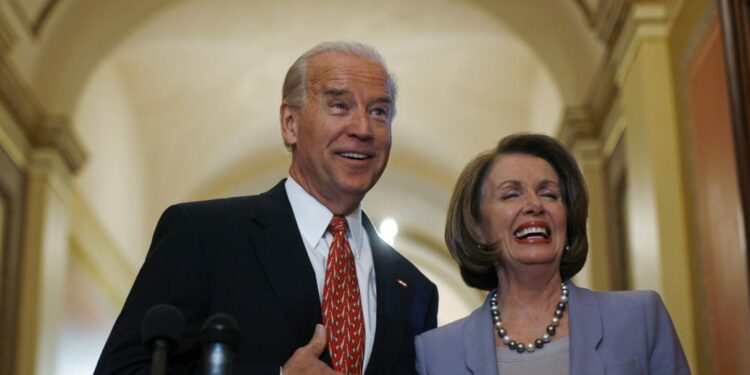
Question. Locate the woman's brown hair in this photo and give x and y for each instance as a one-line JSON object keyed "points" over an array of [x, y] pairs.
{"points": [[476, 259]]}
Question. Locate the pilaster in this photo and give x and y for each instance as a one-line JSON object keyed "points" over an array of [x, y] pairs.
{"points": [[46, 150], [44, 261], [588, 153], [660, 255]]}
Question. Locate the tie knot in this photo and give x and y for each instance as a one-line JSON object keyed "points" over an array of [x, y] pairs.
{"points": [[338, 225]]}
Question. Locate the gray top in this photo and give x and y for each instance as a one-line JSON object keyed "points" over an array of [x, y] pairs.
{"points": [[608, 332], [552, 359]]}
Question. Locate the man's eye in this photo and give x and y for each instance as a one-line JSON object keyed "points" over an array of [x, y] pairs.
{"points": [[379, 112], [339, 107]]}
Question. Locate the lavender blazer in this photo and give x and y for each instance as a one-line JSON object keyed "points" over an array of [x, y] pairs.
{"points": [[610, 332]]}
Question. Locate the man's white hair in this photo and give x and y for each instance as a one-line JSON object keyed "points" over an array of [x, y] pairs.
{"points": [[294, 91]]}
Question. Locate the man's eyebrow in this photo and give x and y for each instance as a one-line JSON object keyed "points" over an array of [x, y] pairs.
{"points": [[334, 92], [384, 100]]}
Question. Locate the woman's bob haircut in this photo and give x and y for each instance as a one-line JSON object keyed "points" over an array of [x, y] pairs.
{"points": [[477, 259]]}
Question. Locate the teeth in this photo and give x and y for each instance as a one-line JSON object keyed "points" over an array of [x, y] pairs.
{"points": [[530, 231], [353, 155]]}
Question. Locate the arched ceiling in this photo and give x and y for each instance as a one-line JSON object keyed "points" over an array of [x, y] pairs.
{"points": [[178, 100], [202, 80]]}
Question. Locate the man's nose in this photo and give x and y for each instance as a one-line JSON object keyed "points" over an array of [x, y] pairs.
{"points": [[360, 126]]}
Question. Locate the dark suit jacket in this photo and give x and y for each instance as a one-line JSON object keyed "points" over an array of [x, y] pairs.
{"points": [[245, 257], [610, 333]]}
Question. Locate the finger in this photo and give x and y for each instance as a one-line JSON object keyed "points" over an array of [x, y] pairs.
{"points": [[318, 342]]}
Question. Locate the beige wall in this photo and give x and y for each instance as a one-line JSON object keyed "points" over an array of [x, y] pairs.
{"points": [[632, 100], [120, 200], [646, 117]]}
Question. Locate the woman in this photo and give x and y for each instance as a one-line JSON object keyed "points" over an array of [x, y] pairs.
{"points": [[517, 227]]}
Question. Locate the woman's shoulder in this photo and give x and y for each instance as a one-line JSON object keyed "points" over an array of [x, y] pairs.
{"points": [[624, 300], [450, 331], [473, 323], [620, 296], [450, 348]]}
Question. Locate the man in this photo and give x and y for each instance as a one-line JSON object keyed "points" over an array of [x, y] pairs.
{"points": [[299, 255]]}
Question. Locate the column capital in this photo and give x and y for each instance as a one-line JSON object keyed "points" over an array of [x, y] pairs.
{"points": [[577, 124], [55, 132], [646, 19], [42, 130]]}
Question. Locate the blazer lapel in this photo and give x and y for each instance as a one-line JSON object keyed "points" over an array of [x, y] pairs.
{"points": [[282, 254], [479, 341], [585, 332], [392, 301]]}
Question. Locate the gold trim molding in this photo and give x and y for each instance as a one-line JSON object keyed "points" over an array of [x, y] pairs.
{"points": [[646, 19], [606, 19], [8, 38], [587, 121], [36, 21], [41, 129]]}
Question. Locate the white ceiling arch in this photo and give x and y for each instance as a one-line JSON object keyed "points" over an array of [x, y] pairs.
{"points": [[199, 83], [204, 76], [178, 100]]}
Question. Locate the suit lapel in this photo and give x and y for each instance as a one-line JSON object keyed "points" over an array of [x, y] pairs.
{"points": [[479, 341], [392, 301], [282, 254], [585, 332]]}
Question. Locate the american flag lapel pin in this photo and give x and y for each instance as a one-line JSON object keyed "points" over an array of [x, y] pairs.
{"points": [[402, 283]]}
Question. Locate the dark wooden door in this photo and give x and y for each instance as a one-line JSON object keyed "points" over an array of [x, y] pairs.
{"points": [[719, 217], [735, 24]]}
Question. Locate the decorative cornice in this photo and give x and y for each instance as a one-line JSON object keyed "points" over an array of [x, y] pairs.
{"points": [[17, 97], [587, 11], [34, 19], [576, 125], [621, 24], [587, 121], [41, 129], [55, 132], [602, 93], [606, 18], [7, 37], [611, 19], [645, 19], [588, 152]]}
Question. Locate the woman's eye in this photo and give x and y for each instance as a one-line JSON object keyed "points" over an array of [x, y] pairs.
{"points": [[551, 196], [506, 196]]}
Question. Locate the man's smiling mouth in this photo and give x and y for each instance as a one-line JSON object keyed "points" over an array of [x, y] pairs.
{"points": [[353, 155]]}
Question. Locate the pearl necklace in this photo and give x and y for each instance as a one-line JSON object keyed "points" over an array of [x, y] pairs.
{"points": [[538, 343]]}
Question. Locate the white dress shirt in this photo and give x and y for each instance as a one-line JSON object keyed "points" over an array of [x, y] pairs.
{"points": [[312, 220]]}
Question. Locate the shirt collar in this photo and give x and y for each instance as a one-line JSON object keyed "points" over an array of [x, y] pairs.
{"points": [[313, 217]]}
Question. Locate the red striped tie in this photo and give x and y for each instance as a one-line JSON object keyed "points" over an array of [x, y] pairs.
{"points": [[342, 307]]}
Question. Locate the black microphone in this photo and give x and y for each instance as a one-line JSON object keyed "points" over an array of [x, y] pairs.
{"points": [[162, 328], [219, 337]]}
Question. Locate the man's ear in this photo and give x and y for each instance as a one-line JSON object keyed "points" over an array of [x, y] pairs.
{"points": [[289, 123]]}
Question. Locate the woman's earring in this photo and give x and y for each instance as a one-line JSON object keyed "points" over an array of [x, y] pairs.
{"points": [[567, 249]]}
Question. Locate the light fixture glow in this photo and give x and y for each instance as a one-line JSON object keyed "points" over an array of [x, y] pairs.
{"points": [[388, 230]]}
